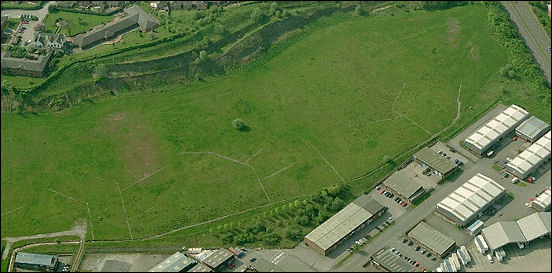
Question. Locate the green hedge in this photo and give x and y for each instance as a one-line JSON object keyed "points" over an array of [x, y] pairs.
{"points": [[7, 5], [53, 8]]}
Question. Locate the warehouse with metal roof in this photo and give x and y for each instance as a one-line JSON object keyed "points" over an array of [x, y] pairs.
{"points": [[177, 262], [218, 258], [403, 186], [531, 159], [433, 240], [532, 129], [521, 231], [199, 267], [350, 219], [467, 201], [437, 162], [33, 261], [542, 202], [496, 129], [391, 262]]}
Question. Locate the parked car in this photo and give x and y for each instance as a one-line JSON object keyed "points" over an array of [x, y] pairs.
{"points": [[404, 204], [416, 264], [533, 178], [392, 249], [440, 152], [506, 175], [423, 251], [433, 258], [382, 191], [418, 248], [515, 138], [424, 269], [410, 243], [515, 180], [428, 255], [404, 241], [378, 188]]}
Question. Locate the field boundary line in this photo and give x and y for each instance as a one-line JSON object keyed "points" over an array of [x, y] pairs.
{"points": [[380, 120], [336, 172], [65, 196], [140, 213], [231, 159], [90, 219], [400, 114], [281, 170], [261, 183], [145, 177], [254, 155], [8, 212], [124, 210]]}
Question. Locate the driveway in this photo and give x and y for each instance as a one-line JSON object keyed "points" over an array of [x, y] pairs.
{"points": [[29, 32], [532, 32]]}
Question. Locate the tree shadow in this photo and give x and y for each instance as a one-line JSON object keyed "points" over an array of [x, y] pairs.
{"points": [[245, 129]]}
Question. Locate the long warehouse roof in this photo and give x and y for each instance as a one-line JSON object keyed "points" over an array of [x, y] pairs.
{"points": [[435, 160], [493, 129], [343, 222], [523, 230], [532, 127], [469, 198], [534, 155], [431, 238], [544, 199]]}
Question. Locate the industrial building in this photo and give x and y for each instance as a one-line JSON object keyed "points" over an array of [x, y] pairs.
{"points": [[469, 200], [431, 239], [33, 261], [439, 164], [218, 259], [532, 129], [346, 222], [542, 202], [199, 267], [177, 262], [522, 231], [391, 262], [403, 186], [281, 263], [496, 129], [531, 159], [476, 227]]}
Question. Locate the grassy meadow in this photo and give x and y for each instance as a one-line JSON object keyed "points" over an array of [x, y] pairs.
{"points": [[322, 111], [77, 22]]}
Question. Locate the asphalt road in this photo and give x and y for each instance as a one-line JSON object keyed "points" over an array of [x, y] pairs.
{"points": [[28, 34], [532, 32]]}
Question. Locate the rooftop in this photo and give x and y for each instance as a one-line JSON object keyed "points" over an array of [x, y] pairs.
{"points": [[493, 129], [523, 230], [25, 64], [431, 238], [532, 127], [174, 263], [469, 198], [535, 225], [392, 262], [435, 160], [200, 268], [218, 257], [544, 199], [536, 153], [343, 222], [33, 258], [402, 184]]}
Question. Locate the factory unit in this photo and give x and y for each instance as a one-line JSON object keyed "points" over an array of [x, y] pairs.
{"points": [[522, 231], [344, 223], [469, 200], [496, 129], [542, 202], [532, 129], [531, 159], [177, 262], [431, 239], [33, 261], [438, 164]]}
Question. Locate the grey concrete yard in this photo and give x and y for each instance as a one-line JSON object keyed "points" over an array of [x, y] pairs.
{"points": [[121, 262]]}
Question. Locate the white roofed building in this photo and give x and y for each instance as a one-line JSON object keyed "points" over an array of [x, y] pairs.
{"points": [[496, 129], [467, 201], [531, 159], [542, 202]]}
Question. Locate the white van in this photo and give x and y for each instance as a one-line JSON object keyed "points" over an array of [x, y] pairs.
{"points": [[515, 180], [490, 258]]}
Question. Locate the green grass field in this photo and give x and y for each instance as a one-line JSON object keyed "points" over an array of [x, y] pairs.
{"points": [[78, 22], [322, 108]]}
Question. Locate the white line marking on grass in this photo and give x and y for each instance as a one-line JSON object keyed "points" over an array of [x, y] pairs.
{"points": [[336, 172], [124, 209], [90, 219], [254, 155], [397, 97], [220, 95], [231, 159], [8, 212], [262, 186], [375, 121], [139, 214], [393, 109], [145, 177], [195, 153], [66, 196], [281, 170]]}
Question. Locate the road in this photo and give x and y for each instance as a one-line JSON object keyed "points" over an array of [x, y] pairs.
{"points": [[532, 32]]}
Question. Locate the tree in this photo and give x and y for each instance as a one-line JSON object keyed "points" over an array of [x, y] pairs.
{"points": [[40, 27], [202, 55], [272, 238], [219, 29], [100, 71], [294, 233], [238, 124], [66, 24], [504, 71], [359, 10], [257, 15], [297, 203], [336, 204]]}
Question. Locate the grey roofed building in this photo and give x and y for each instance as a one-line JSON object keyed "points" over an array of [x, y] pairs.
{"points": [[495, 129], [532, 158], [177, 262], [22, 66], [471, 198], [522, 231], [327, 235], [500, 234], [432, 239], [218, 258], [264, 265], [535, 225], [542, 202], [200, 268], [35, 259], [136, 17], [532, 129], [435, 160], [391, 262], [404, 186]]}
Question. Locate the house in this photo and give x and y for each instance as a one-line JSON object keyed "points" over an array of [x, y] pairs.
{"points": [[135, 18], [46, 40], [24, 67], [177, 5], [200, 4], [64, 4]]}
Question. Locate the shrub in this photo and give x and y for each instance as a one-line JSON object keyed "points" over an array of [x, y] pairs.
{"points": [[239, 125]]}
